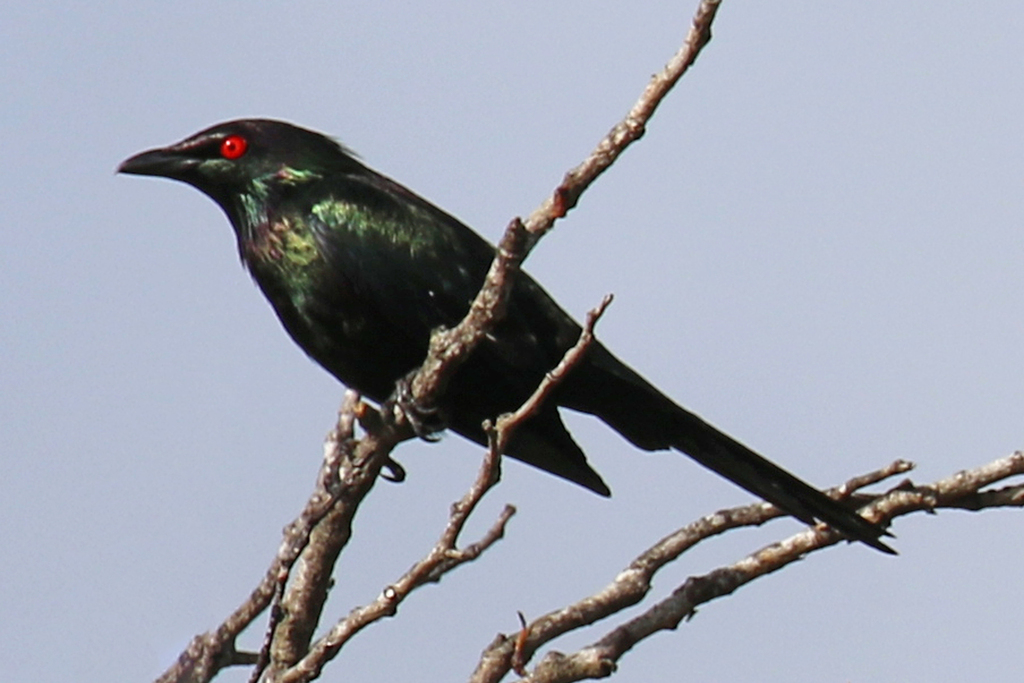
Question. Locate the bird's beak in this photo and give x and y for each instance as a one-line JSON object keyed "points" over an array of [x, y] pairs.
{"points": [[164, 162]]}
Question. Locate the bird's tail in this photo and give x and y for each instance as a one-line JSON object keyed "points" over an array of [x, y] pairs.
{"points": [[609, 389]]}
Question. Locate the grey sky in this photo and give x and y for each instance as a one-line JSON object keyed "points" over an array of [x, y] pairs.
{"points": [[817, 247]]}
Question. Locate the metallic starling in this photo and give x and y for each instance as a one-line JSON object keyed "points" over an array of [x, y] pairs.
{"points": [[360, 270]]}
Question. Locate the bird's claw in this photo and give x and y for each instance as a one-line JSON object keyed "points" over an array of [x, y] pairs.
{"points": [[427, 422], [395, 472]]}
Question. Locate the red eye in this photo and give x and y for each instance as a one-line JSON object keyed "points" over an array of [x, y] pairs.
{"points": [[233, 146]]}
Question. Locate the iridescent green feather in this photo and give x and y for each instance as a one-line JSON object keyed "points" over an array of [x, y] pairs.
{"points": [[420, 238]]}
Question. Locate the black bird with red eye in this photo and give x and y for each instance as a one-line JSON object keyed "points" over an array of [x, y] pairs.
{"points": [[360, 270]]}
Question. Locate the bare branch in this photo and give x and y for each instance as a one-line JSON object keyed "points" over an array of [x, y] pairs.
{"points": [[960, 491], [441, 559], [212, 651]]}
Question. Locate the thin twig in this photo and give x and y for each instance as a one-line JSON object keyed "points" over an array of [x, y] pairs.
{"points": [[630, 129], [509, 422], [276, 614]]}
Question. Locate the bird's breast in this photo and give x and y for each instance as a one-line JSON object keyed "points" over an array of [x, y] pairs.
{"points": [[326, 314], [281, 244]]}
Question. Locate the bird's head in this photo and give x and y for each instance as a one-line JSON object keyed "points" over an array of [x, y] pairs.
{"points": [[247, 156]]}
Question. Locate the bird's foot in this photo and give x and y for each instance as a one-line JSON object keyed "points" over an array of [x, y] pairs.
{"points": [[427, 422]]}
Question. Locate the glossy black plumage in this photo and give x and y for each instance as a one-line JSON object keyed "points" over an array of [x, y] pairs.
{"points": [[360, 270]]}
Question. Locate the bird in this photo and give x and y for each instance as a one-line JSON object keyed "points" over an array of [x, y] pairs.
{"points": [[360, 270]]}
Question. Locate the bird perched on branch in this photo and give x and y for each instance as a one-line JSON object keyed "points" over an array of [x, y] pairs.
{"points": [[360, 270]]}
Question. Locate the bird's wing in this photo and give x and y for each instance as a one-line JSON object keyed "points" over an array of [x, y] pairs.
{"points": [[422, 267]]}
